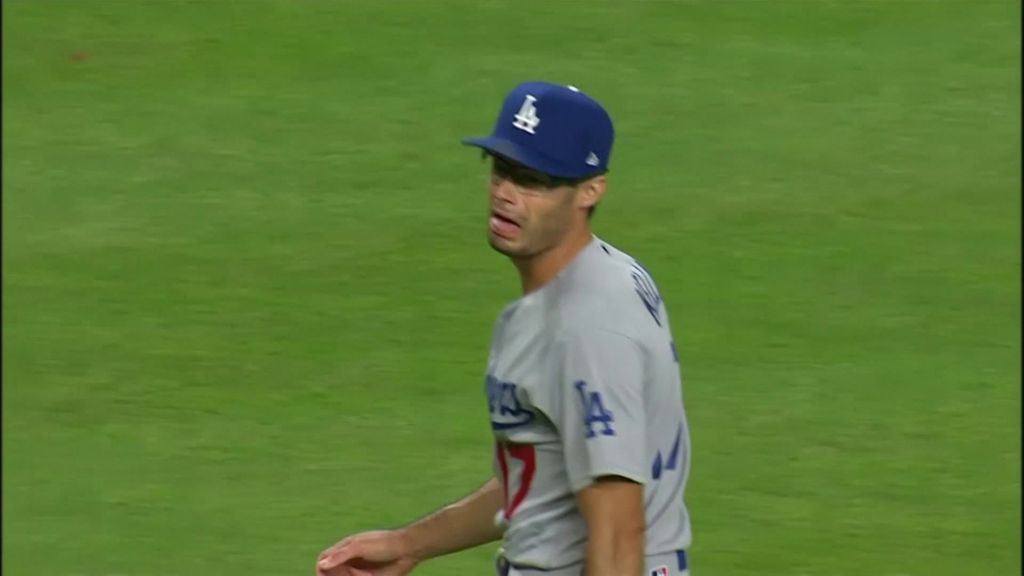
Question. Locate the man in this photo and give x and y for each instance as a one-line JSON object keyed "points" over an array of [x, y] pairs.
{"points": [[592, 449]]}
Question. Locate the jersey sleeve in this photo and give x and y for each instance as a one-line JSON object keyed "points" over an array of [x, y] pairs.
{"points": [[598, 406]]}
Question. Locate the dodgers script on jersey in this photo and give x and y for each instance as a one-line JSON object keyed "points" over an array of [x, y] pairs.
{"points": [[583, 381]]}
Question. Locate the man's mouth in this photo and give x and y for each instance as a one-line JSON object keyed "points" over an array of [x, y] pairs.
{"points": [[504, 226]]}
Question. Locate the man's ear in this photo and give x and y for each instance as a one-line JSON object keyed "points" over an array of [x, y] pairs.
{"points": [[591, 192]]}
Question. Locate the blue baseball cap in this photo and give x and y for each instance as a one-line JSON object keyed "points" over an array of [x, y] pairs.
{"points": [[553, 129]]}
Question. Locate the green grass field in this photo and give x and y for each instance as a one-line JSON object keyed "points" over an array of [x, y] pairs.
{"points": [[247, 295]]}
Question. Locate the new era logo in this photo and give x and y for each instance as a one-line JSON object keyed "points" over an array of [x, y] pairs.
{"points": [[660, 571], [592, 159], [526, 119]]}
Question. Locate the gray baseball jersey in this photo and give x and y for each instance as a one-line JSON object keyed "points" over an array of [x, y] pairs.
{"points": [[583, 381]]}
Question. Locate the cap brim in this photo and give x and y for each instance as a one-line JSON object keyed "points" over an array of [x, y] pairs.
{"points": [[513, 151]]}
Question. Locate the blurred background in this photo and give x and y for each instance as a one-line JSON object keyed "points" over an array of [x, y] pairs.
{"points": [[247, 296]]}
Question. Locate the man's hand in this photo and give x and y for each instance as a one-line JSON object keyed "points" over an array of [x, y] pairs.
{"points": [[378, 553]]}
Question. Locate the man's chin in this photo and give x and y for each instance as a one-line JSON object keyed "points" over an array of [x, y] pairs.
{"points": [[503, 246]]}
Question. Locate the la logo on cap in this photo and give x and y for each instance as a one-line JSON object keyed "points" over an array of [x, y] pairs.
{"points": [[526, 119]]}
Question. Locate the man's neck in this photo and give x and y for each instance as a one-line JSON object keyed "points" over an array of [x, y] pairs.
{"points": [[535, 272]]}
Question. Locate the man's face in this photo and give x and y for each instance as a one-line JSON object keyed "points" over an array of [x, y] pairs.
{"points": [[530, 211]]}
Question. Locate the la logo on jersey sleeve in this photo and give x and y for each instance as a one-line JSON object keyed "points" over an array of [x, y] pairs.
{"points": [[596, 418]]}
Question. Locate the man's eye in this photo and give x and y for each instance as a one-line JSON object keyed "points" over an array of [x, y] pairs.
{"points": [[501, 169], [520, 177], [501, 173], [530, 180]]}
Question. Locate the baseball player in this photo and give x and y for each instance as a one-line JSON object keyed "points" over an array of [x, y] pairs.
{"points": [[592, 450]]}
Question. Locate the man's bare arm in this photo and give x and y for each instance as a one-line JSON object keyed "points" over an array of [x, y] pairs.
{"points": [[464, 524], [613, 508]]}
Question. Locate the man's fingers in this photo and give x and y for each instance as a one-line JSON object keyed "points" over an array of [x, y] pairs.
{"points": [[328, 563], [337, 557], [343, 571], [332, 551]]}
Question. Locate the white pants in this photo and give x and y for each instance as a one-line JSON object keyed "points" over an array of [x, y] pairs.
{"points": [[671, 564]]}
